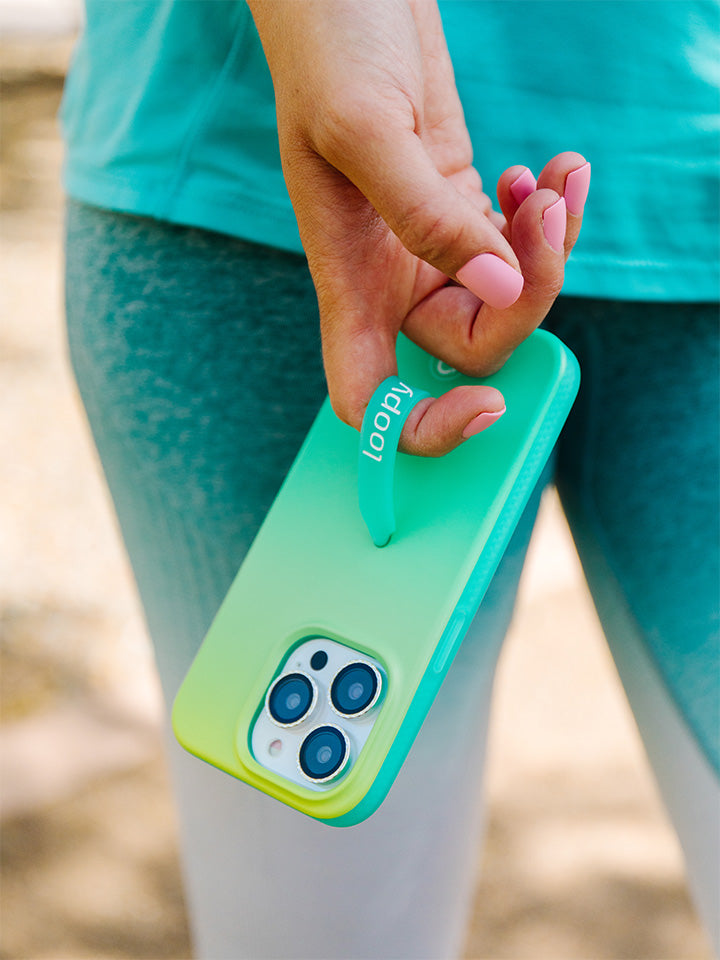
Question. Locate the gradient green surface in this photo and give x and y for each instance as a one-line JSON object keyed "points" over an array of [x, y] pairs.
{"points": [[313, 570]]}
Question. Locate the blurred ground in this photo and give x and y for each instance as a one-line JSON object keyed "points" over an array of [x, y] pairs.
{"points": [[579, 861]]}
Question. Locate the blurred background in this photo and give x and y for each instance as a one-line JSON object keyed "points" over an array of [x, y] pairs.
{"points": [[579, 860]]}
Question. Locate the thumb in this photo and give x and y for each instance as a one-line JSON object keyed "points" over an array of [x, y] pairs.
{"points": [[427, 212]]}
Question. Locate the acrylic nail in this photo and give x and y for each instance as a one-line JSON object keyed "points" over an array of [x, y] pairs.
{"points": [[481, 422], [554, 224], [523, 186], [491, 279], [577, 185]]}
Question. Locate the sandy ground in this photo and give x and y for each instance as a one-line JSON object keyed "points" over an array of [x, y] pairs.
{"points": [[579, 860]]}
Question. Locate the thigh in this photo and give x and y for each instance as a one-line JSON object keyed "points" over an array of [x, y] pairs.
{"points": [[638, 469], [198, 361]]}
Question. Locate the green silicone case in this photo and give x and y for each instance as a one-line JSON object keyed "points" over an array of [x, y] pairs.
{"points": [[313, 570]]}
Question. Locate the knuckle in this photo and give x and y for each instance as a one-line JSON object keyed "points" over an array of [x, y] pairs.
{"points": [[350, 410], [342, 409], [480, 367], [428, 234], [481, 361], [546, 292]]}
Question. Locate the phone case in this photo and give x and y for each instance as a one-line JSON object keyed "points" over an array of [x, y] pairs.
{"points": [[313, 571]]}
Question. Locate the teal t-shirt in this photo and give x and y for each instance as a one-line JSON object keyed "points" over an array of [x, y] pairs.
{"points": [[169, 112]]}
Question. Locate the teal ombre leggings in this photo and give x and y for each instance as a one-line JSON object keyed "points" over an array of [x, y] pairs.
{"points": [[198, 360]]}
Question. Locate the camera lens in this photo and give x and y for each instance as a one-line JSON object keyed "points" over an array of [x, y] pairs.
{"points": [[323, 753], [355, 689], [291, 698]]}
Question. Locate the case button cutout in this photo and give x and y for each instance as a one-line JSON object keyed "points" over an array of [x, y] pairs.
{"points": [[449, 640], [382, 425]]}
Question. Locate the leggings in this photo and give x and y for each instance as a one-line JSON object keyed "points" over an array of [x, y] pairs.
{"points": [[198, 360]]}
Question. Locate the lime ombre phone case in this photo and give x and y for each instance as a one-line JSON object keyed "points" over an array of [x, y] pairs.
{"points": [[313, 571]]}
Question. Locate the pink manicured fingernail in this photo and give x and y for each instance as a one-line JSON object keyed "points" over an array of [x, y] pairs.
{"points": [[491, 279], [523, 186], [481, 422], [577, 185], [554, 224]]}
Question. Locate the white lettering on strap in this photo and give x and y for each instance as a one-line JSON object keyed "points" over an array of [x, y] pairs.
{"points": [[392, 403], [386, 421]]}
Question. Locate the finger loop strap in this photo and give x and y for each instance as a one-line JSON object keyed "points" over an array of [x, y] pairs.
{"points": [[382, 425]]}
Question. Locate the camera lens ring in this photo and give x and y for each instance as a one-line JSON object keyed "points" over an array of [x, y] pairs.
{"points": [[283, 680], [366, 706], [339, 767]]}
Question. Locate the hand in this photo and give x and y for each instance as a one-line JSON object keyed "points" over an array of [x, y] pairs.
{"points": [[378, 164]]}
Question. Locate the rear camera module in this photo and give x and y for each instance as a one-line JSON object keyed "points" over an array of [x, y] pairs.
{"points": [[355, 689], [324, 754], [291, 698]]}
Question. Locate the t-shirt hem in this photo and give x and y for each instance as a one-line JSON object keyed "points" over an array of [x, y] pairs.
{"points": [[609, 279], [236, 214]]}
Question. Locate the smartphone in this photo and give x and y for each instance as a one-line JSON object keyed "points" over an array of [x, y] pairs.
{"points": [[327, 652]]}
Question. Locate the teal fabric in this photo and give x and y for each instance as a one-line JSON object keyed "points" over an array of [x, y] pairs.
{"points": [[169, 112]]}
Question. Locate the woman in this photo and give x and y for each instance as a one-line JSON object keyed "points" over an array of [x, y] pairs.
{"points": [[192, 315]]}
